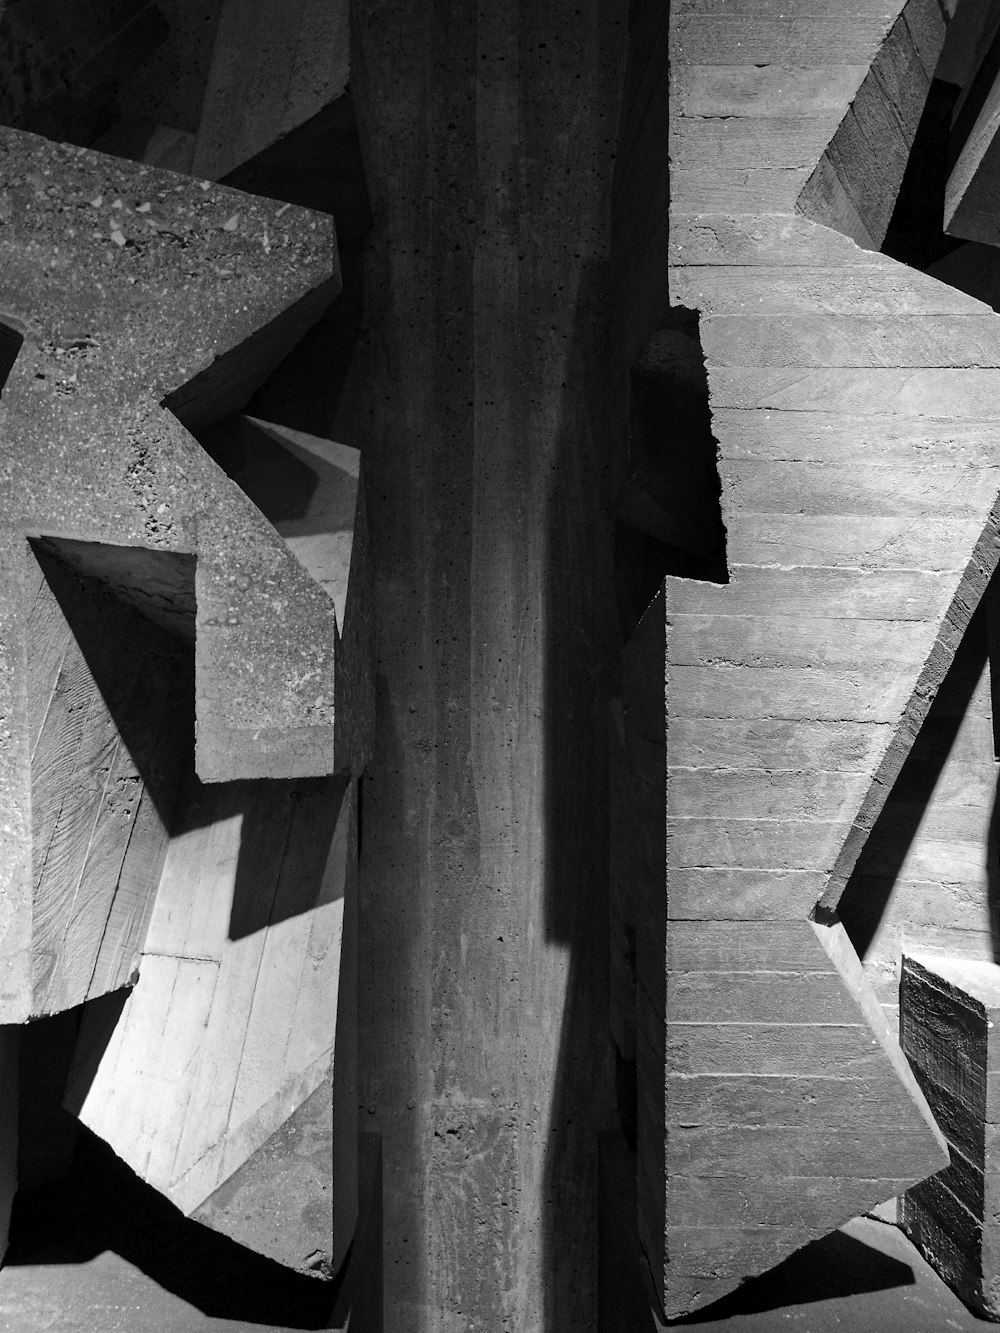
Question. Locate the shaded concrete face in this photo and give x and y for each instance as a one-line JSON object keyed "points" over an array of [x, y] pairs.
{"points": [[91, 248], [949, 1007], [99, 1252], [795, 377]]}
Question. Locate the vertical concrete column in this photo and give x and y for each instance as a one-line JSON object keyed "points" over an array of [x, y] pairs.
{"points": [[488, 133]]}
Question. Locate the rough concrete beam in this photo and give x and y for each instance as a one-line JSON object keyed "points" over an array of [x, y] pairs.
{"points": [[487, 446], [949, 1009], [973, 68], [972, 25], [855, 184]]}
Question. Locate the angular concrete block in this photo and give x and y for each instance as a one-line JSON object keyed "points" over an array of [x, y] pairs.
{"points": [[245, 1002], [280, 1202], [358, 1307], [949, 1026], [313, 491], [137, 304], [621, 881], [771, 1089], [970, 206]]}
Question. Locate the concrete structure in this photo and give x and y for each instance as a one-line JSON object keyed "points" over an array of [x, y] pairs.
{"points": [[949, 1009], [155, 622], [483, 394], [115, 486], [634, 326], [273, 68], [244, 1006], [767, 716]]}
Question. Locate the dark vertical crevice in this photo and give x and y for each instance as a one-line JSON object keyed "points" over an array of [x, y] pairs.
{"points": [[668, 515], [915, 235]]}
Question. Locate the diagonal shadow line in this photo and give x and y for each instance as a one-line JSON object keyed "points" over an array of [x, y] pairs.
{"points": [[830, 1268], [285, 843], [103, 1206], [861, 906], [11, 342]]}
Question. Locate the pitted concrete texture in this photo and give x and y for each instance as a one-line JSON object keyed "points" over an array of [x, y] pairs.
{"points": [[313, 491], [137, 290]]}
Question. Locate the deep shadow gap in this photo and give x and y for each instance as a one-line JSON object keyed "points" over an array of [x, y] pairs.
{"points": [[668, 514], [130, 613]]}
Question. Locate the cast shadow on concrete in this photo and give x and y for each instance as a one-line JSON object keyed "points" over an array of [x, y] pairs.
{"points": [[993, 874], [313, 806], [668, 512], [873, 880], [319, 166], [287, 827], [141, 660], [279, 483], [835, 1266], [11, 342], [608, 552], [159, 735], [102, 1205]]}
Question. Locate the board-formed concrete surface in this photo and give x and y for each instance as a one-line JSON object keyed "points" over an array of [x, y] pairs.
{"points": [[865, 1276], [861, 534], [244, 1004]]}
